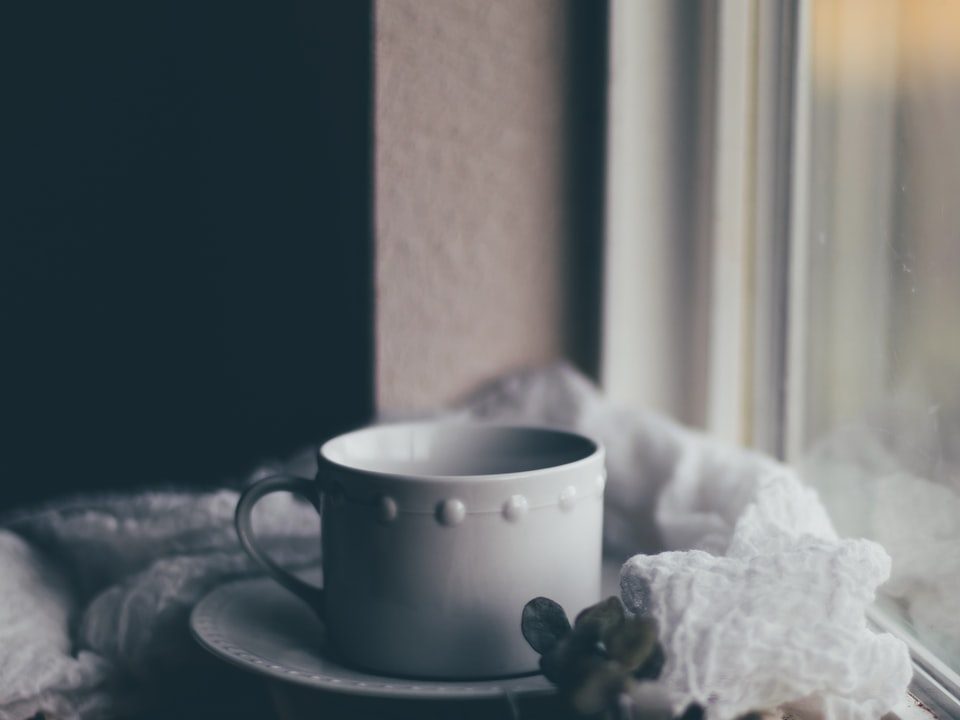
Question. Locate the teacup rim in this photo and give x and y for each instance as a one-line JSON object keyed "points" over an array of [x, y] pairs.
{"points": [[597, 450]]}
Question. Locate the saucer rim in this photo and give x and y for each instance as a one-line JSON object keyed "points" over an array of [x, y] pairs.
{"points": [[207, 634]]}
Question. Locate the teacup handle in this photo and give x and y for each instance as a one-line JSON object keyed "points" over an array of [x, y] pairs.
{"points": [[308, 489]]}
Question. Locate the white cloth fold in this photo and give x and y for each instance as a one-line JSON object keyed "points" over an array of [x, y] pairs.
{"points": [[96, 592]]}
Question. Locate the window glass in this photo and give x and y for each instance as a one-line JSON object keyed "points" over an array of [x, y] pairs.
{"points": [[880, 422]]}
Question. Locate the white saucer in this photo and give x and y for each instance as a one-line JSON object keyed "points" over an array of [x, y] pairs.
{"points": [[261, 627]]}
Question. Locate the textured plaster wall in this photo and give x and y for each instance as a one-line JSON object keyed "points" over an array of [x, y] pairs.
{"points": [[472, 248]]}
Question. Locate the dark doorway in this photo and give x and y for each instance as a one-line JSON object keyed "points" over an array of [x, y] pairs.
{"points": [[185, 247]]}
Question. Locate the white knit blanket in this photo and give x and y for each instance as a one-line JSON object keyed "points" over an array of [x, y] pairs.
{"points": [[95, 592]]}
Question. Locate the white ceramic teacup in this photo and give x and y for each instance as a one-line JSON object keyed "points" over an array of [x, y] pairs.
{"points": [[436, 535]]}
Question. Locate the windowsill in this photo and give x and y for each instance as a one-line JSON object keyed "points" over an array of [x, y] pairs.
{"points": [[911, 709]]}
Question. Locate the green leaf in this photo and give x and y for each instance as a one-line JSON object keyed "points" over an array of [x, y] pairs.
{"points": [[543, 624], [567, 661], [632, 642], [553, 664], [600, 681], [653, 665], [599, 621], [559, 663]]}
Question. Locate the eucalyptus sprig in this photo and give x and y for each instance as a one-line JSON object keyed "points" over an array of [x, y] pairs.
{"points": [[605, 662], [604, 656]]}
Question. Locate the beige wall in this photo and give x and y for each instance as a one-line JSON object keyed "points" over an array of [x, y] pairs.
{"points": [[472, 253]]}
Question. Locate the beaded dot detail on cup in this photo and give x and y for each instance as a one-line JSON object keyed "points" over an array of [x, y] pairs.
{"points": [[515, 508], [387, 510], [601, 481], [568, 496], [451, 512]]}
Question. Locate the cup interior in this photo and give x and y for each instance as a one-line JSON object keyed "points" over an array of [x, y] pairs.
{"points": [[456, 450]]}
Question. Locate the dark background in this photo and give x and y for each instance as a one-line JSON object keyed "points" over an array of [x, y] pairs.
{"points": [[185, 238]]}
